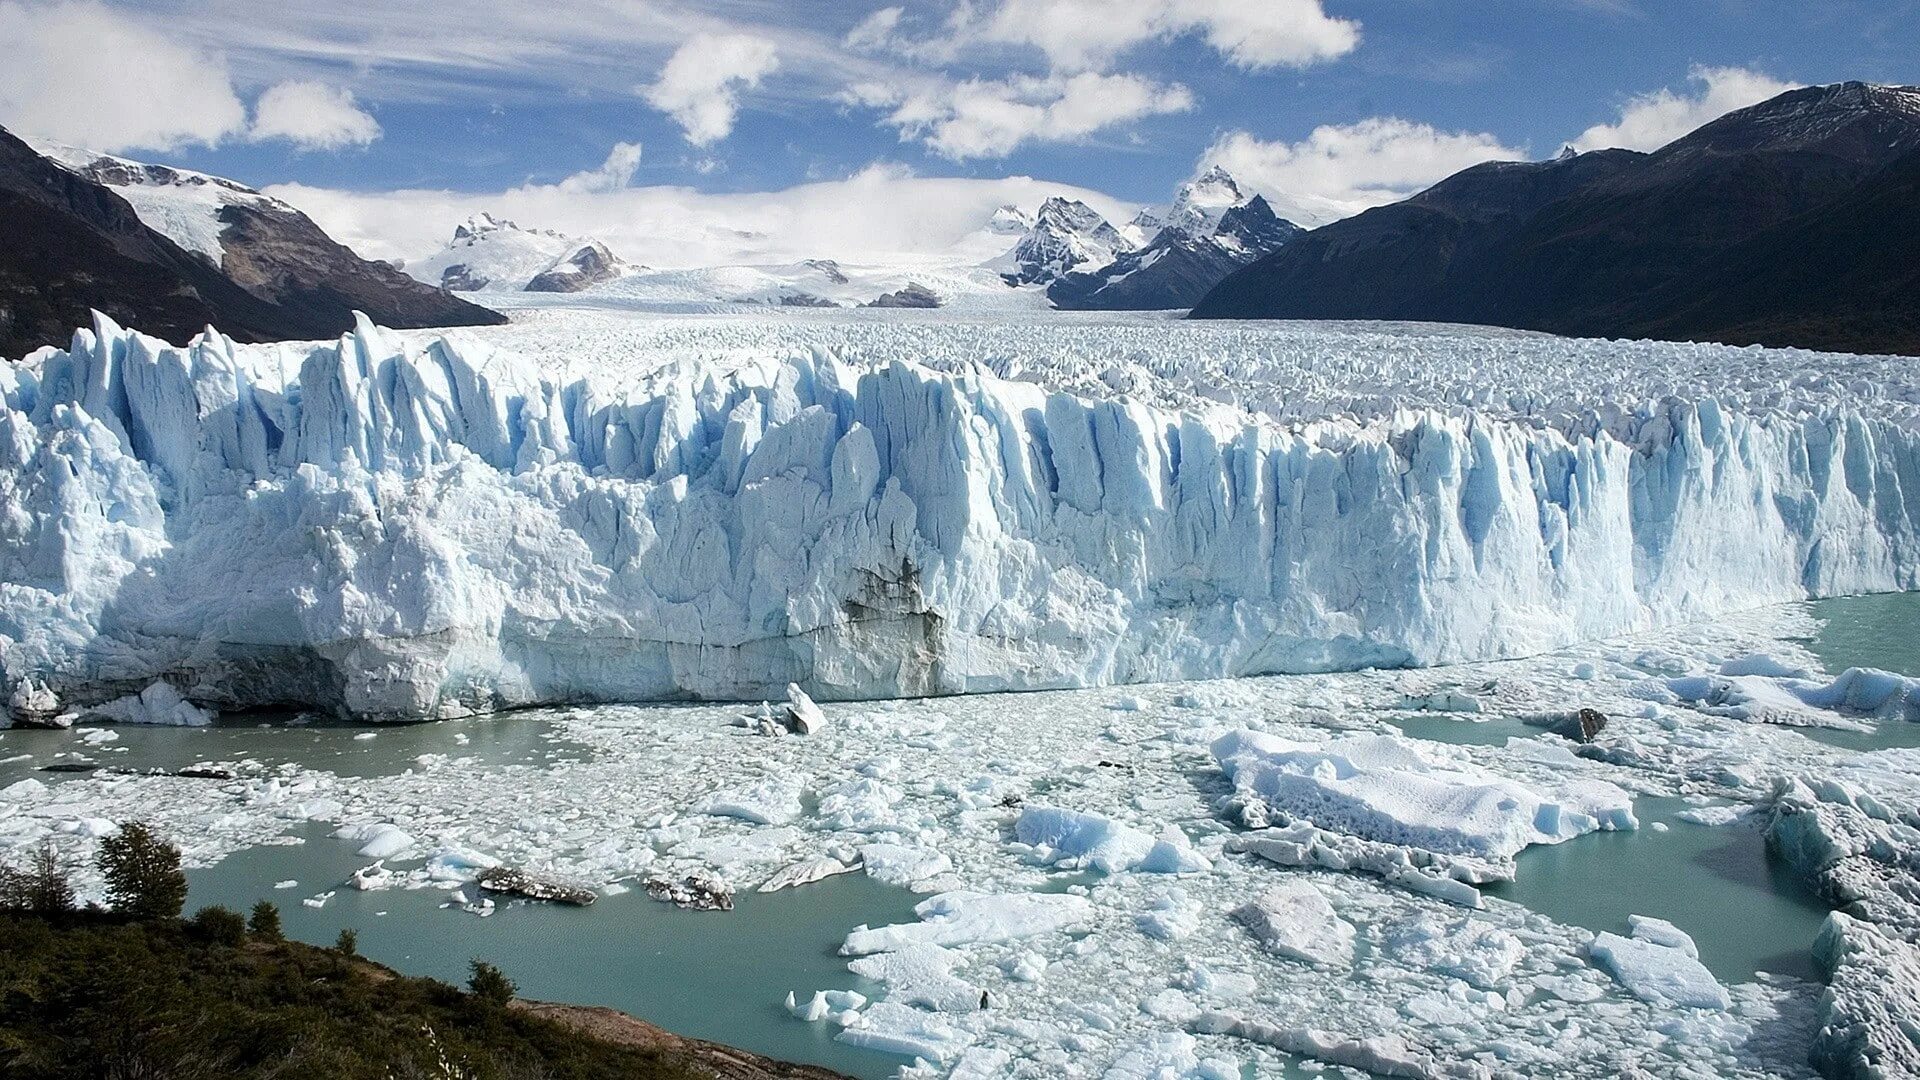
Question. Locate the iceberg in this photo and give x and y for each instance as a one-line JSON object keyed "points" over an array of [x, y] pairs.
{"points": [[395, 527]]}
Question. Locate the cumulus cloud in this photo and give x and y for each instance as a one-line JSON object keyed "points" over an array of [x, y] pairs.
{"points": [[80, 73], [1079, 35], [312, 116], [1651, 121], [700, 85], [880, 214], [612, 175], [984, 118], [1339, 170]]}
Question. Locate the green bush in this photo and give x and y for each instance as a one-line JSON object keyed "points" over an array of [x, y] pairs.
{"points": [[143, 873], [265, 921], [490, 985], [348, 943], [222, 926]]}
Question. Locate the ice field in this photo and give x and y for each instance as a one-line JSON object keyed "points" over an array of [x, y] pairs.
{"points": [[1311, 614]]}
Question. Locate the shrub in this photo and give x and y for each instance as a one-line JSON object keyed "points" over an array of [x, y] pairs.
{"points": [[222, 926], [348, 943], [42, 888], [265, 922], [489, 985], [143, 873]]}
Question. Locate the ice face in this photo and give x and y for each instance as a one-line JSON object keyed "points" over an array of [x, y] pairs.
{"points": [[416, 528]]}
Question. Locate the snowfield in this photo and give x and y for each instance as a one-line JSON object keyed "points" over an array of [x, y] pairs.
{"points": [[601, 506]]}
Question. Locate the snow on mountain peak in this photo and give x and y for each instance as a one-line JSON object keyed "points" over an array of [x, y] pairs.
{"points": [[180, 204], [495, 254], [1200, 203], [1066, 233]]}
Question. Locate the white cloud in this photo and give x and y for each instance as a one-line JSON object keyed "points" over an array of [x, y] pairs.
{"points": [[880, 214], [876, 30], [612, 175], [313, 116], [700, 85], [80, 73], [1340, 170], [982, 118], [1081, 35], [1651, 121]]}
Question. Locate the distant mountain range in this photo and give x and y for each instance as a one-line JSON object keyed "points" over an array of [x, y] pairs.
{"points": [[172, 251], [489, 254], [1793, 222]]}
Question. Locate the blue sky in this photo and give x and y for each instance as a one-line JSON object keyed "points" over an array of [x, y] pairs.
{"points": [[1342, 103]]}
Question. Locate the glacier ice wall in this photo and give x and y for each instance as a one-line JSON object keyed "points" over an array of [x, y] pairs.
{"points": [[400, 530]]}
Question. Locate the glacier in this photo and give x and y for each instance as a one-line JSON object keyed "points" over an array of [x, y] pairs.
{"points": [[399, 527]]}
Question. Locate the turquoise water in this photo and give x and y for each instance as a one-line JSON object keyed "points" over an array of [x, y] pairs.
{"points": [[715, 975], [1463, 729], [1879, 631], [1745, 910], [353, 750]]}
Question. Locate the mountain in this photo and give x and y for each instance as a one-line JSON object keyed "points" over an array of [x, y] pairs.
{"points": [[271, 250], [1066, 233], [75, 244], [1752, 229], [1210, 230], [493, 255]]}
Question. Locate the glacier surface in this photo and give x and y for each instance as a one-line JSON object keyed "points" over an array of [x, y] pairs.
{"points": [[396, 527]]}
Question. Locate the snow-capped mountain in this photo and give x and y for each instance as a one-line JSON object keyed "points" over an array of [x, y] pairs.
{"points": [[183, 205], [1210, 230], [1065, 234], [177, 249], [489, 254], [1200, 204]]}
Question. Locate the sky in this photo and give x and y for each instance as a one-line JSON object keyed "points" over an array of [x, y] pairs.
{"points": [[661, 119]]}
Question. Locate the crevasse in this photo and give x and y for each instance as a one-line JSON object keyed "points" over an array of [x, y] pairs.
{"points": [[401, 530]]}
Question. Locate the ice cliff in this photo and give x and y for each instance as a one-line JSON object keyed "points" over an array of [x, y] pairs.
{"points": [[400, 529]]}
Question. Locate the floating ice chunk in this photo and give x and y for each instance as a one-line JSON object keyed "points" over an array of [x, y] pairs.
{"points": [[804, 873], [862, 805], [1026, 967], [840, 1006], [1382, 788], [1715, 815], [965, 918], [921, 975], [1763, 664], [1452, 701], [981, 1063], [159, 704], [1163, 1055], [318, 900], [1171, 916], [1469, 949], [1130, 703], [768, 802], [901, 865], [1869, 692], [369, 878], [23, 791], [454, 863], [1660, 974], [382, 841], [1385, 1055], [1293, 919], [803, 716], [290, 883], [902, 1029], [1661, 932], [1173, 853], [1073, 838]]}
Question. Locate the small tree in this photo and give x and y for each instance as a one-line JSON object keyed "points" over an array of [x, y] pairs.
{"points": [[143, 873], [42, 888], [348, 943], [489, 985], [265, 922], [219, 925]]}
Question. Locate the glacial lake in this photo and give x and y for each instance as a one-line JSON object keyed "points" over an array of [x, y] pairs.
{"points": [[723, 975]]}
